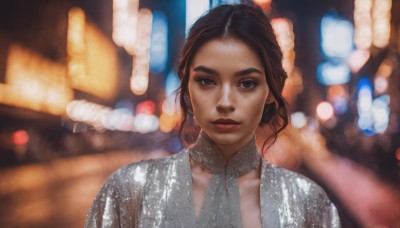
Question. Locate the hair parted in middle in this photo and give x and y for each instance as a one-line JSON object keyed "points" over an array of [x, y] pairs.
{"points": [[248, 23]]}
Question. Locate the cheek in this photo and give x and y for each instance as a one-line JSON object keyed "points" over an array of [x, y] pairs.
{"points": [[255, 110], [196, 104], [193, 96], [197, 100], [254, 106]]}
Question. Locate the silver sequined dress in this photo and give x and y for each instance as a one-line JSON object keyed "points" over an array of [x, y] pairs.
{"points": [[158, 193]]}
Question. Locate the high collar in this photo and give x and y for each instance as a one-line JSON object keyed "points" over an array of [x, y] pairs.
{"points": [[207, 155]]}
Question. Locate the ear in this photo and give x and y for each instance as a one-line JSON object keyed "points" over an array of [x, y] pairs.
{"points": [[270, 99], [186, 98]]}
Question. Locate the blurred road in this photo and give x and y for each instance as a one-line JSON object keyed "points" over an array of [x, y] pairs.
{"points": [[58, 193]]}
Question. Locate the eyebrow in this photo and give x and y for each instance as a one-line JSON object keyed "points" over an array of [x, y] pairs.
{"points": [[237, 74]]}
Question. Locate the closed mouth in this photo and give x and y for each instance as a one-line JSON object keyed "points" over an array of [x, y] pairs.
{"points": [[225, 121]]}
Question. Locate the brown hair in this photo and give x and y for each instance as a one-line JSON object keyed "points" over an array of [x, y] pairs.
{"points": [[249, 24]]}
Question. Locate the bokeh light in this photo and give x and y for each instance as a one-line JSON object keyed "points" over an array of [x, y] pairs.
{"points": [[194, 9], [20, 137], [298, 119], [159, 43], [146, 123], [325, 111], [336, 36]]}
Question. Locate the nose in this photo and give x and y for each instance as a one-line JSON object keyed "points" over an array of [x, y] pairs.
{"points": [[225, 102]]}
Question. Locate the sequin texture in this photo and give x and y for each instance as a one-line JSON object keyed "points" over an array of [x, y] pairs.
{"points": [[158, 193]]}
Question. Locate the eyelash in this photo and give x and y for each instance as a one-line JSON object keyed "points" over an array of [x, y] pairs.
{"points": [[253, 83], [206, 81]]}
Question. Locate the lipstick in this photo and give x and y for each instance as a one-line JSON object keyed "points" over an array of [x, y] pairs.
{"points": [[225, 125]]}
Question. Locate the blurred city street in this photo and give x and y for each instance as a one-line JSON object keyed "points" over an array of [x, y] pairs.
{"points": [[58, 193], [87, 86]]}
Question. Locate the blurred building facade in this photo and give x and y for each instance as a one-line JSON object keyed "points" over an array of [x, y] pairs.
{"points": [[378, 59], [56, 52], [69, 85]]}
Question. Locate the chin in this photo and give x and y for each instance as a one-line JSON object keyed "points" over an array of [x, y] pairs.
{"points": [[224, 138]]}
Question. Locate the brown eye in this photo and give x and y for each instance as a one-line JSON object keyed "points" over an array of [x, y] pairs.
{"points": [[248, 84], [205, 81]]}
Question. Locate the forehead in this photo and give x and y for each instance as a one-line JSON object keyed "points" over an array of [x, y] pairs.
{"points": [[227, 53]]}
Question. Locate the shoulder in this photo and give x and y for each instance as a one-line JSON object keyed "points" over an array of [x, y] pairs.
{"points": [[297, 195], [139, 170], [129, 181], [124, 191], [294, 182]]}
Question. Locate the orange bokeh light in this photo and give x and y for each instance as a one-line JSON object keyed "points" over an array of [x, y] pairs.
{"points": [[265, 4]]}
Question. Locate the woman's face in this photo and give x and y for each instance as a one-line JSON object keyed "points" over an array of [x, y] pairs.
{"points": [[228, 91]]}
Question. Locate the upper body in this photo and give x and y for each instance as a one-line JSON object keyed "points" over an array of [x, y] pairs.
{"points": [[231, 83], [159, 193]]}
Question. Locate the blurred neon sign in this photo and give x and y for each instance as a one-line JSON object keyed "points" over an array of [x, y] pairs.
{"points": [[125, 22], [336, 36], [159, 43], [34, 82], [283, 29], [373, 114], [141, 62], [92, 58]]}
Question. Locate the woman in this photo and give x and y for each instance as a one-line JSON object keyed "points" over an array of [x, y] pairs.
{"points": [[231, 82]]}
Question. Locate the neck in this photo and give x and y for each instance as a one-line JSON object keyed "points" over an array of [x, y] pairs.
{"points": [[228, 151], [236, 160]]}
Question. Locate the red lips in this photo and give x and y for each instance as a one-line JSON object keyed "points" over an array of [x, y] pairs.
{"points": [[224, 121], [225, 125]]}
